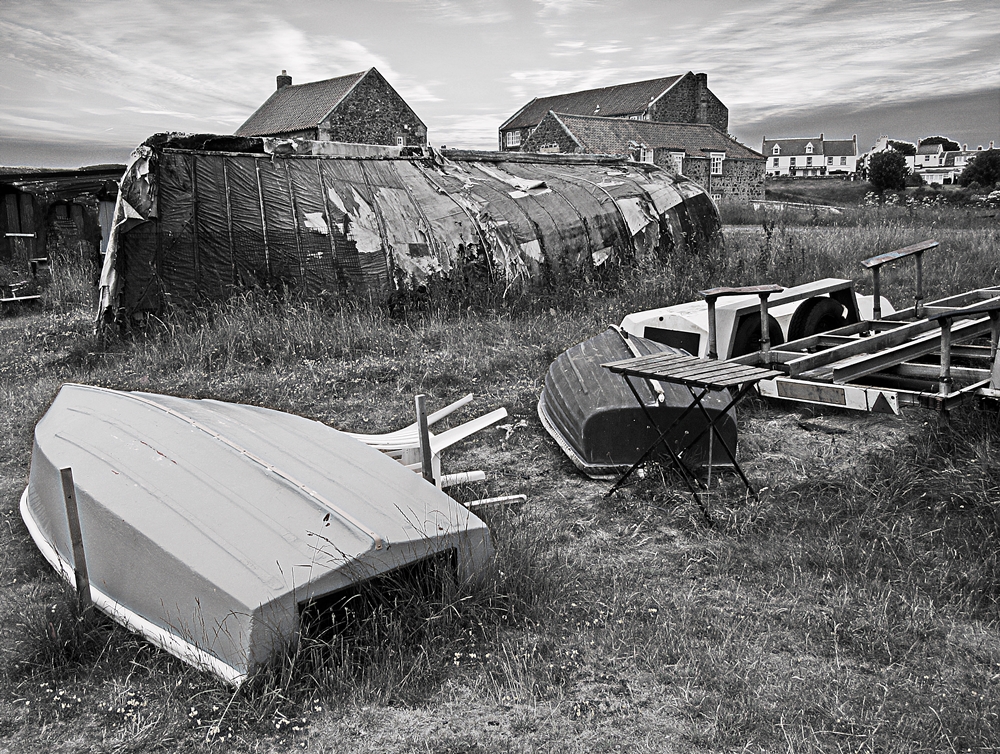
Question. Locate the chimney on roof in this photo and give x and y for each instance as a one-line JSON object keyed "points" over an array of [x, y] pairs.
{"points": [[821, 136], [701, 97], [284, 80], [965, 147], [991, 143]]}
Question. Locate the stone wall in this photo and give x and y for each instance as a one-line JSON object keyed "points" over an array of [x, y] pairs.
{"points": [[741, 179], [373, 113], [526, 133], [548, 133], [682, 103]]}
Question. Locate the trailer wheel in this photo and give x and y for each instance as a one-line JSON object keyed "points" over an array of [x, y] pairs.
{"points": [[747, 338], [816, 315]]}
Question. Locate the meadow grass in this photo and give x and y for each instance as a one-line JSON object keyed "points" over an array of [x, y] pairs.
{"points": [[852, 607]]}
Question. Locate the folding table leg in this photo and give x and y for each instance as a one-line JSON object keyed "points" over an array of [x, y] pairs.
{"points": [[712, 427], [678, 462]]}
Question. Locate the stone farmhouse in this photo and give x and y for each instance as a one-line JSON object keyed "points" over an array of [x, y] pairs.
{"points": [[720, 164], [360, 108], [811, 156], [673, 99]]}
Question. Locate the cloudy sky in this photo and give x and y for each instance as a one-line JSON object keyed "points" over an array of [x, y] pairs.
{"points": [[83, 81]]}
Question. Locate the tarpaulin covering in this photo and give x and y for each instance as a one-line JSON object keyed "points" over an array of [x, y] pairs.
{"points": [[196, 221]]}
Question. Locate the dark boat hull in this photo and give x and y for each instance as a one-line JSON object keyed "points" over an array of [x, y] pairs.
{"points": [[594, 417]]}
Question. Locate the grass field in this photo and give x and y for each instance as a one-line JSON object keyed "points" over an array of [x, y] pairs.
{"points": [[852, 608]]}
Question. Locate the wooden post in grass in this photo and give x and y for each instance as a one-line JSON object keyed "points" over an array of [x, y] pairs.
{"points": [[424, 437], [76, 536]]}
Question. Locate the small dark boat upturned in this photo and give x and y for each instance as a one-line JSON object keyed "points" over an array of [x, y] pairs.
{"points": [[595, 419]]}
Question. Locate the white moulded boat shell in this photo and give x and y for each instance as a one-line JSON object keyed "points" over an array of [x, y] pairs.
{"points": [[207, 525]]}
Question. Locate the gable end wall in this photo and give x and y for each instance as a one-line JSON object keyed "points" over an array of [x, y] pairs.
{"points": [[549, 131], [373, 113], [680, 105]]}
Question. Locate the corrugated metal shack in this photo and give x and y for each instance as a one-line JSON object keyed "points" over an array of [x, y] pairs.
{"points": [[200, 216]]}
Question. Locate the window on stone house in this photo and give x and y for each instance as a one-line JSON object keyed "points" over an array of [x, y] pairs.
{"points": [[829, 160], [791, 162], [513, 138], [717, 158], [776, 150], [400, 141], [809, 148], [775, 162], [843, 160], [677, 158], [809, 160], [717, 198]]}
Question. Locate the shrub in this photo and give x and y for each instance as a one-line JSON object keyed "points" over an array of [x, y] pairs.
{"points": [[983, 170], [887, 171], [903, 147]]}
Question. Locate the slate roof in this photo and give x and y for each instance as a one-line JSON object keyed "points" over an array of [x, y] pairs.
{"points": [[930, 149], [601, 135], [293, 108], [840, 148], [793, 147], [621, 99]]}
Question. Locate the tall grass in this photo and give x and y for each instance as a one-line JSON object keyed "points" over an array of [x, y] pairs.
{"points": [[852, 607]]}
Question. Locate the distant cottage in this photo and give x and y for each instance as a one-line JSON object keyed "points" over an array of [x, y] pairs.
{"points": [[930, 158], [717, 162], [810, 156], [673, 99], [360, 108]]}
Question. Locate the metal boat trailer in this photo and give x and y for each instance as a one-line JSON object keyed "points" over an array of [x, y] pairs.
{"points": [[937, 355]]}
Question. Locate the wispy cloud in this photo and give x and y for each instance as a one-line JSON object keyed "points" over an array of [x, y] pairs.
{"points": [[72, 69], [462, 12], [184, 61], [786, 55], [565, 7]]}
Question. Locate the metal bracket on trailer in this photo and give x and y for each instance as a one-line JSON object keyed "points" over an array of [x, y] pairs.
{"points": [[856, 397]]}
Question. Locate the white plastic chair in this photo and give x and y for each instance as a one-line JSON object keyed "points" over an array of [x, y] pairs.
{"points": [[405, 446]]}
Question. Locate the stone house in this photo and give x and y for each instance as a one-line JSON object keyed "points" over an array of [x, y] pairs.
{"points": [[360, 108], [673, 99], [811, 156], [717, 162]]}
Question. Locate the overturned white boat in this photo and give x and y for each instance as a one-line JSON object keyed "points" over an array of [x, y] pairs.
{"points": [[209, 526]]}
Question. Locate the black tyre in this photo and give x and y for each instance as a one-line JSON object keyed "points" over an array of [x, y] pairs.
{"points": [[816, 315], [747, 338]]}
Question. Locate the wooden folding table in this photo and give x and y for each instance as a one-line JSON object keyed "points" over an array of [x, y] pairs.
{"points": [[699, 376]]}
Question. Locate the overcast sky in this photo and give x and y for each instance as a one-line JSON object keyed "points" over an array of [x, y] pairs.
{"points": [[84, 81]]}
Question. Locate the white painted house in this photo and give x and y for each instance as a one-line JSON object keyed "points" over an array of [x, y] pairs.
{"points": [[810, 156], [883, 144], [932, 162], [944, 167]]}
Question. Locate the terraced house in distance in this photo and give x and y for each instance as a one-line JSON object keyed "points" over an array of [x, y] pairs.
{"points": [[360, 108], [811, 156], [714, 160], [672, 99]]}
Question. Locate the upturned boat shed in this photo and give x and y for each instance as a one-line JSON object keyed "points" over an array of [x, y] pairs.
{"points": [[199, 217]]}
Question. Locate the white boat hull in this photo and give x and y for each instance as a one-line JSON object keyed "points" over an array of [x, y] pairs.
{"points": [[208, 525]]}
